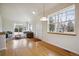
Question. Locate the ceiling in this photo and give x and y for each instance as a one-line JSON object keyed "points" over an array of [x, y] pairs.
{"points": [[23, 11]]}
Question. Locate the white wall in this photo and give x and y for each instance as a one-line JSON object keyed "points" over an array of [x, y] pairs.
{"points": [[14, 13], [8, 25], [0, 24], [64, 41]]}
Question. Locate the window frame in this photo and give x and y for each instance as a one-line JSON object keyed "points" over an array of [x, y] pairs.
{"points": [[57, 14]]}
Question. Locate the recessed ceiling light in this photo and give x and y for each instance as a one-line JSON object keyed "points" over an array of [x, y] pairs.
{"points": [[33, 12]]}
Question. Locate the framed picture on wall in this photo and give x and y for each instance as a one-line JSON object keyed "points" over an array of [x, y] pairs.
{"points": [[62, 22]]}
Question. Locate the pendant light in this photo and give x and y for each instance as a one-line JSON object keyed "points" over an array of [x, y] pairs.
{"points": [[43, 18]]}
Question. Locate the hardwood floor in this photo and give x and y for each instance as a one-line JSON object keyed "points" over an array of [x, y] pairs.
{"points": [[28, 47]]}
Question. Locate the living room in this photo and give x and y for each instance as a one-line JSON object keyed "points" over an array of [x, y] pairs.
{"points": [[18, 19]]}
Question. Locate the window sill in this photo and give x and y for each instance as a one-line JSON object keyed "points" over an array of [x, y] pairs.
{"points": [[63, 33]]}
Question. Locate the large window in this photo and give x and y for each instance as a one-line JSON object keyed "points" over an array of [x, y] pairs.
{"points": [[28, 27], [18, 27], [62, 21]]}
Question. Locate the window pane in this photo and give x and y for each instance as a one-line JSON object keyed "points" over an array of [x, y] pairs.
{"points": [[54, 19], [50, 20], [61, 27], [60, 17], [70, 26], [51, 27], [57, 18], [56, 27], [70, 14], [63, 17]]}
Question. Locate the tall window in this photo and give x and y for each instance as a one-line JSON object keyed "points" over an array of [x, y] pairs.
{"points": [[28, 27], [18, 27], [62, 21]]}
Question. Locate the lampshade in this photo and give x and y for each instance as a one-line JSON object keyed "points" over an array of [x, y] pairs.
{"points": [[43, 19]]}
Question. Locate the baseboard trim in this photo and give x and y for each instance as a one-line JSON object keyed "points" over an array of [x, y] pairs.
{"points": [[57, 49]]}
